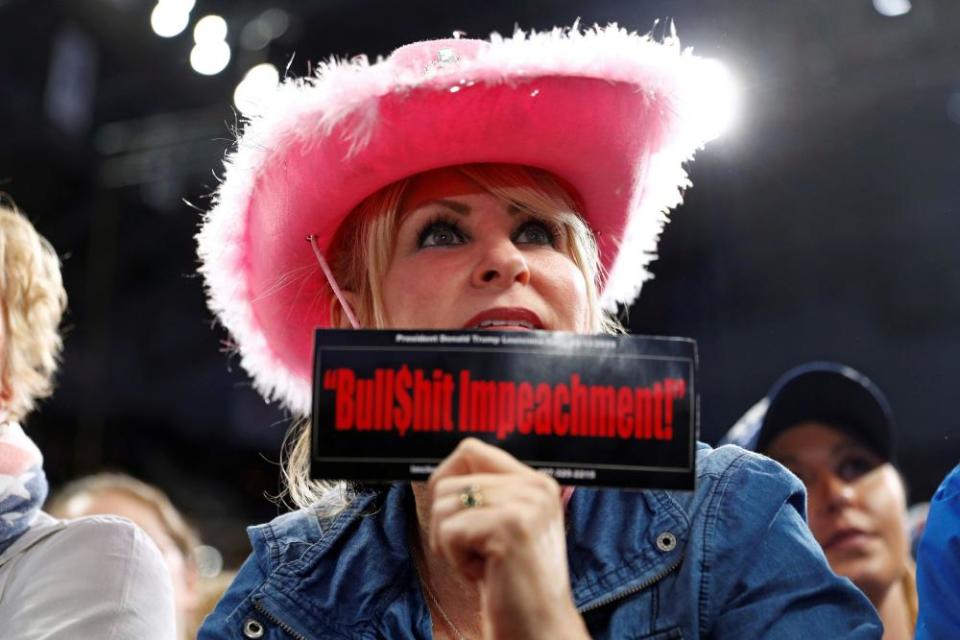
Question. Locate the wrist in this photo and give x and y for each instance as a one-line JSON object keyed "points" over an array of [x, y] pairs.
{"points": [[559, 624]]}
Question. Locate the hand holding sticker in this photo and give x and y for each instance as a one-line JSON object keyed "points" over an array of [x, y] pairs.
{"points": [[511, 543]]}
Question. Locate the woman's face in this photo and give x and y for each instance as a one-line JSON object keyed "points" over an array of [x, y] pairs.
{"points": [[144, 516], [856, 504], [466, 260]]}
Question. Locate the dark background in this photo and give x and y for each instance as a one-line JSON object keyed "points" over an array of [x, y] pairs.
{"points": [[824, 225]]}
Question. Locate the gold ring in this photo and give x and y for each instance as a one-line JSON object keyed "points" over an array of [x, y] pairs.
{"points": [[471, 497]]}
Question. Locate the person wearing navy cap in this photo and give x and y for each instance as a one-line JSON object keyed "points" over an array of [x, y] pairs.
{"points": [[833, 428]]}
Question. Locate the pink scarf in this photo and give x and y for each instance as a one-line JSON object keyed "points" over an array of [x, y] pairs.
{"points": [[23, 484]]}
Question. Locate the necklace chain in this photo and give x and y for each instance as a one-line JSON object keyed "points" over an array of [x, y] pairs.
{"points": [[443, 614], [420, 562]]}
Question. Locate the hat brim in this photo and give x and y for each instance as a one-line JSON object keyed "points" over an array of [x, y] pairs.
{"points": [[604, 115]]}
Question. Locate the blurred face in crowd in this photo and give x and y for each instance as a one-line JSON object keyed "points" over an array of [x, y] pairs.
{"points": [[856, 504], [121, 503]]}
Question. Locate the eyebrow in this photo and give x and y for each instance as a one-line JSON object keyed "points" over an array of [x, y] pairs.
{"points": [[464, 209], [853, 445], [457, 207]]}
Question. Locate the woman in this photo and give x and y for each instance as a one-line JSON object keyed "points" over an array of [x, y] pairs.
{"points": [[93, 577], [832, 427], [150, 509], [413, 177]]}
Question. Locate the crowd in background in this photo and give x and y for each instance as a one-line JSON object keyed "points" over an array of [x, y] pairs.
{"points": [[110, 555]]}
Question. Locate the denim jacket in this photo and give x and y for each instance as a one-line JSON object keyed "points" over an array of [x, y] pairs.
{"points": [[938, 564], [733, 559]]}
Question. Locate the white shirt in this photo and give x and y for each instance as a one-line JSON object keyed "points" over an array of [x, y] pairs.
{"points": [[98, 577]]}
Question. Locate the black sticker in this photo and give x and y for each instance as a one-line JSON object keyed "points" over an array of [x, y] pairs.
{"points": [[618, 411]]}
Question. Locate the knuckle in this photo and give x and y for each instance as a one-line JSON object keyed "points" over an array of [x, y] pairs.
{"points": [[520, 523], [441, 487], [547, 489], [470, 446], [545, 507], [446, 532], [549, 484], [436, 512]]}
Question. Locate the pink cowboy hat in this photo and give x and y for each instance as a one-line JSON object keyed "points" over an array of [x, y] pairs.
{"points": [[612, 113]]}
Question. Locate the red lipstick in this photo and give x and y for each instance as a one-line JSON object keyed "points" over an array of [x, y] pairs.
{"points": [[505, 319]]}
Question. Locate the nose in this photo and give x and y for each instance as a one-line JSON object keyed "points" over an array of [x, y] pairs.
{"points": [[834, 493], [501, 264]]}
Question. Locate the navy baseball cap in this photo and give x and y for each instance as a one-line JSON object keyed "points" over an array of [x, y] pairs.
{"points": [[826, 392]]}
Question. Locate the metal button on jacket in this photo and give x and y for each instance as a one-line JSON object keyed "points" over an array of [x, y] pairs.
{"points": [[666, 541], [252, 628]]}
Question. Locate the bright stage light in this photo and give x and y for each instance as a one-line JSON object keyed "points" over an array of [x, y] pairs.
{"points": [[211, 54], [210, 58], [892, 8], [186, 6], [718, 99], [254, 90], [168, 20], [268, 26], [210, 29]]}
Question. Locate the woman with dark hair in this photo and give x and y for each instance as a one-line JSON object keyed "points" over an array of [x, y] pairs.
{"points": [[517, 184]]}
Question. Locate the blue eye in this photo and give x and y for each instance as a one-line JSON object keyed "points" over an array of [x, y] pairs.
{"points": [[535, 232], [440, 234]]}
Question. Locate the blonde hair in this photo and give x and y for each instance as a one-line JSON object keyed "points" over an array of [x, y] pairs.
{"points": [[209, 593], [909, 583], [32, 302], [362, 252], [64, 505]]}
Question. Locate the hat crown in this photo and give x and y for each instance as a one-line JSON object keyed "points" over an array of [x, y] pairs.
{"points": [[611, 113], [429, 55], [822, 392]]}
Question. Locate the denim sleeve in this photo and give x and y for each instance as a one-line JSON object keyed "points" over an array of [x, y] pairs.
{"points": [[768, 575], [938, 564], [221, 623]]}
